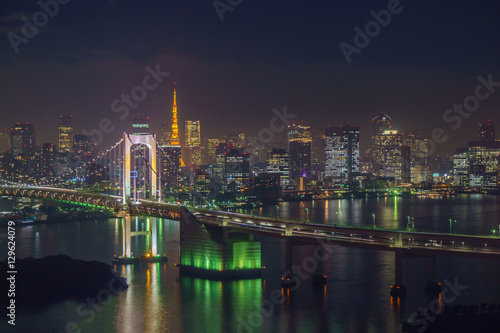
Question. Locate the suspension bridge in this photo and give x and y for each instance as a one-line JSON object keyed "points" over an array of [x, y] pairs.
{"points": [[127, 179]]}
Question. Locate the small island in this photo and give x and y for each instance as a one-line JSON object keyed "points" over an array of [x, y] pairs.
{"points": [[40, 282]]}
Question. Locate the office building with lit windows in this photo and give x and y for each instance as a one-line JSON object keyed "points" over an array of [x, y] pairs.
{"points": [[342, 154], [66, 134]]}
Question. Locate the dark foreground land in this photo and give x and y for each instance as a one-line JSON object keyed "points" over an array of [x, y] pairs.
{"points": [[39, 282]]}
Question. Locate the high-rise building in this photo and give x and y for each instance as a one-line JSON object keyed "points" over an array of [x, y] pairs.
{"points": [[237, 170], [47, 160], [461, 167], [140, 125], [419, 159], [22, 139], [210, 151], [342, 153], [486, 131], [84, 147], [300, 148], [165, 134], [4, 140], [236, 137], [193, 142], [385, 139], [478, 164], [278, 162], [381, 123], [66, 134], [396, 163]]}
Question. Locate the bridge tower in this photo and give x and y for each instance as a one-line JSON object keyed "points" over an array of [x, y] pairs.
{"points": [[129, 140]]}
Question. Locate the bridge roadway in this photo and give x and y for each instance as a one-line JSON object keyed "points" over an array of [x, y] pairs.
{"points": [[413, 243]]}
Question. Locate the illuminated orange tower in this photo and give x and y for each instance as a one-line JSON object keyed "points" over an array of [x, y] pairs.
{"points": [[174, 141]]}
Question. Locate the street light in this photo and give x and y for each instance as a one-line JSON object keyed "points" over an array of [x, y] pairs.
{"points": [[277, 212], [253, 204], [307, 213], [451, 222], [373, 215], [410, 226]]}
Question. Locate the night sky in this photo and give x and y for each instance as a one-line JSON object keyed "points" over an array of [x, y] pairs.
{"points": [[264, 54]]}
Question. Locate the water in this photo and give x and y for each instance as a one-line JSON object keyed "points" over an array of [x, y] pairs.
{"points": [[356, 298]]}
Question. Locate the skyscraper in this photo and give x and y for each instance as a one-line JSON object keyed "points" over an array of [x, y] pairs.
{"points": [[342, 153], [278, 162], [381, 123], [299, 147], [486, 131], [193, 141], [140, 125], [4, 140], [165, 134], [22, 139], [66, 134]]}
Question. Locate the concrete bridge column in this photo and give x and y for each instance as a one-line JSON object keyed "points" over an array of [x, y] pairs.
{"points": [[319, 277], [127, 252], [399, 240], [398, 289], [433, 286], [154, 237], [287, 280]]}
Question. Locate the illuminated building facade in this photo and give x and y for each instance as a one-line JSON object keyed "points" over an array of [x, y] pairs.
{"points": [[419, 160], [385, 139], [278, 162], [193, 142], [140, 125], [22, 139], [396, 163], [4, 140], [300, 149], [66, 134], [486, 132], [342, 153], [237, 170], [84, 147]]}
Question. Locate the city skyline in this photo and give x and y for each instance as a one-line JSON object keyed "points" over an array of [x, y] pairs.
{"points": [[235, 79]]}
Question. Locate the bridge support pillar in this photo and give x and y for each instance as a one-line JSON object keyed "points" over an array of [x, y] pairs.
{"points": [[154, 237], [398, 289], [288, 280], [127, 257], [319, 277], [127, 251], [399, 240], [433, 286]]}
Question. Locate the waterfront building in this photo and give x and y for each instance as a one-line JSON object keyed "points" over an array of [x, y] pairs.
{"points": [[342, 153]]}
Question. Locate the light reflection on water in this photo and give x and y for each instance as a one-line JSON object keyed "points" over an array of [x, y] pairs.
{"points": [[356, 298]]}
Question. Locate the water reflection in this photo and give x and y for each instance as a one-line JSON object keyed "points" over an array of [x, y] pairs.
{"points": [[212, 302]]}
